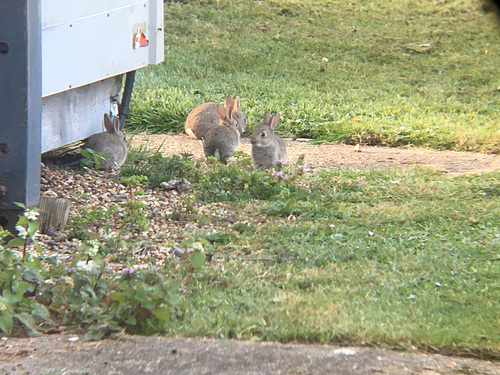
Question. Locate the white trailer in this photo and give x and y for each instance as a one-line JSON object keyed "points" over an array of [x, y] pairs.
{"points": [[61, 68]]}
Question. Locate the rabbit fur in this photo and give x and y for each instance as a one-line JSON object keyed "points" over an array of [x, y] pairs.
{"points": [[112, 142], [223, 139], [204, 117], [267, 148]]}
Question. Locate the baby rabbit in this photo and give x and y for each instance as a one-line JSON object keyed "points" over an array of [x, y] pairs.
{"points": [[267, 148], [204, 117], [223, 139], [112, 142]]}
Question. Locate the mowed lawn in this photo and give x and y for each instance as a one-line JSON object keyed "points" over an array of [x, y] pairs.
{"points": [[379, 72]]}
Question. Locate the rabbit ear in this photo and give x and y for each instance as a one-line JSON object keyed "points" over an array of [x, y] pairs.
{"points": [[230, 112], [108, 124], [228, 102], [116, 124], [267, 118], [221, 113], [275, 120], [236, 104]]}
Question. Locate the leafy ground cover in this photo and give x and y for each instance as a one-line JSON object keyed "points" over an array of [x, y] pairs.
{"points": [[383, 72], [400, 258]]}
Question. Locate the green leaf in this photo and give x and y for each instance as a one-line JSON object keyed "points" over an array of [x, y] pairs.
{"points": [[23, 221], [147, 304], [219, 237], [86, 162], [85, 153], [100, 155], [12, 299], [151, 278], [21, 288], [141, 294], [159, 290], [93, 335], [18, 204], [131, 321], [35, 263], [113, 326], [30, 276], [39, 310], [6, 322], [99, 261], [88, 289], [38, 248], [163, 313], [118, 296], [175, 285], [16, 242], [173, 299], [197, 260], [27, 320], [32, 228]]}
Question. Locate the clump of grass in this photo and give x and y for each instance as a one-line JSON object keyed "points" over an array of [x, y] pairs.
{"points": [[155, 167], [377, 73]]}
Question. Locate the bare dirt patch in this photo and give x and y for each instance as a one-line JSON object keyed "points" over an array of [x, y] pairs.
{"points": [[338, 156]]}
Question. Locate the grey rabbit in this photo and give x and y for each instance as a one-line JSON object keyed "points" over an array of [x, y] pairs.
{"points": [[223, 139], [204, 117], [112, 142], [267, 148]]}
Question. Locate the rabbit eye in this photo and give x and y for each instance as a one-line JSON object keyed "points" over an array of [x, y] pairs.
{"points": [[263, 134]]}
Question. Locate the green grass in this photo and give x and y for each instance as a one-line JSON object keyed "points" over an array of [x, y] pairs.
{"points": [[405, 258], [373, 89]]}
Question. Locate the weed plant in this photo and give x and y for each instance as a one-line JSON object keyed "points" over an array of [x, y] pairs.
{"points": [[41, 294], [380, 72]]}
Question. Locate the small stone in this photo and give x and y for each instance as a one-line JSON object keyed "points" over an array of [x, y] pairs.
{"points": [[177, 251], [183, 186], [345, 351], [170, 185]]}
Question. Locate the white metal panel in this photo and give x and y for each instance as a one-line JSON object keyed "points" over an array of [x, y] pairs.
{"points": [[156, 41], [86, 41], [78, 113], [55, 12]]}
